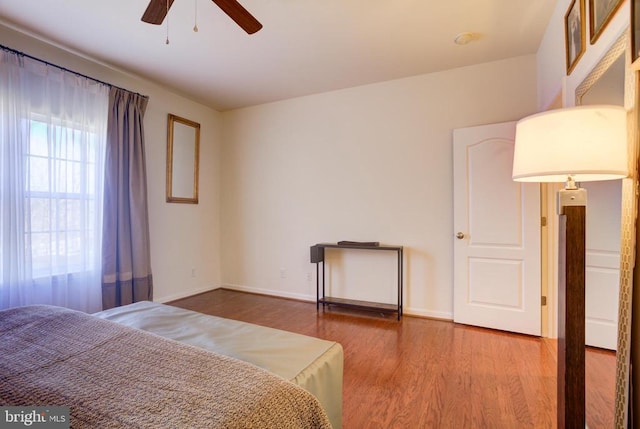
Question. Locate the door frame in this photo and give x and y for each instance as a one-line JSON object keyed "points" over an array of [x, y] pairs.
{"points": [[549, 259], [549, 248]]}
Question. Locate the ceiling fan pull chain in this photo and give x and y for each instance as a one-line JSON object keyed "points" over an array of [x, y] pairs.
{"points": [[167, 41], [195, 26]]}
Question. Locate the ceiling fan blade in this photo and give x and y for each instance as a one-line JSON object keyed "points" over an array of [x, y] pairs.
{"points": [[156, 11], [239, 14]]}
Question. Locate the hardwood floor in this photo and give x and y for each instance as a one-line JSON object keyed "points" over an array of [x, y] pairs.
{"points": [[422, 373]]}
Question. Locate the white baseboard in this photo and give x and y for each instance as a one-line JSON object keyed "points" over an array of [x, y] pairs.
{"points": [[185, 294], [442, 315], [276, 293]]}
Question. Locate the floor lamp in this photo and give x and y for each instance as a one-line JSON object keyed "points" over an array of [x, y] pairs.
{"points": [[571, 145]]}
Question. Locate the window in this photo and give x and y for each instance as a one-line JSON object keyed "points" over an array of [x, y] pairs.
{"points": [[61, 199], [52, 144]]}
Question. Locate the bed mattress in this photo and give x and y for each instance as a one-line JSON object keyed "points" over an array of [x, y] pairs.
{"points": [[113, 376], [312, 363]]}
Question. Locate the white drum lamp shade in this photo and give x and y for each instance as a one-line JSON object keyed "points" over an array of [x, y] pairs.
{"points": [[585, 143]]}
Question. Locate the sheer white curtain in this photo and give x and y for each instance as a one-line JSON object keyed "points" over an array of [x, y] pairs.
{"points": [[52, 137]]}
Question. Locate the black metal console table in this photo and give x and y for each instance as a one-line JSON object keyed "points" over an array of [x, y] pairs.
{"points": [[317, 256]]}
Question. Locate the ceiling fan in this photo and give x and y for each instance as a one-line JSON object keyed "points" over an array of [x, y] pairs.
{"points": [[157, 11]]}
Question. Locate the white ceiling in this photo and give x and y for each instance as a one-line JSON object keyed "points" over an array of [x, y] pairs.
{"points": [[305, 47]]}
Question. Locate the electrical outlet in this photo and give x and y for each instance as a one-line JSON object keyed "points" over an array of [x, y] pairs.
{"points": [[193, 272], [309, 276], [283, 273]]}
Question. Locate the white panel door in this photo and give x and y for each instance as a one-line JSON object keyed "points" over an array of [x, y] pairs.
{"points": [[496, 234], [602, 262]]}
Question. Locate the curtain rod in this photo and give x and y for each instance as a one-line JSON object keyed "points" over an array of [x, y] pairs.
{"points": [[6, 48]]}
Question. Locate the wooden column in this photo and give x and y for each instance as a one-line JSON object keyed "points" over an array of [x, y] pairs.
{"points": [[571, 318]]}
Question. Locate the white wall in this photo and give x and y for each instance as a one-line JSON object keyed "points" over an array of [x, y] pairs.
{"points": [[183, 236], [372, 163], [551, 58]]}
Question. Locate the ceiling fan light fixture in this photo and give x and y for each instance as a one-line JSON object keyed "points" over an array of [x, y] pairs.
{"points": [[157, 11]]}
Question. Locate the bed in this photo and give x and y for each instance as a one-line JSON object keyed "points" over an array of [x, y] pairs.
{"points": [[114, 376], [312, 363]]}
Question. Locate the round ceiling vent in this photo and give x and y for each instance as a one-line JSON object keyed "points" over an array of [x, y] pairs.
{"points": [[464, 38]]}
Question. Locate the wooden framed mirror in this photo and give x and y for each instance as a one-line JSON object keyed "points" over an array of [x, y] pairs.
{"points": [[613, 81], [183, 158]]}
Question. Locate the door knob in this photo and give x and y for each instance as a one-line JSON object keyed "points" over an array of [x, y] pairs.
{"points": [[460, 235]]}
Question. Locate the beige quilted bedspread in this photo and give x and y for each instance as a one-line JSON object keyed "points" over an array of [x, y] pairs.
{"points": [[113, 376]]}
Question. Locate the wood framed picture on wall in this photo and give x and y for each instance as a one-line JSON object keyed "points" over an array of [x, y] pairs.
{"points": [[600, 13], [635, 32], [574, 33]]}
